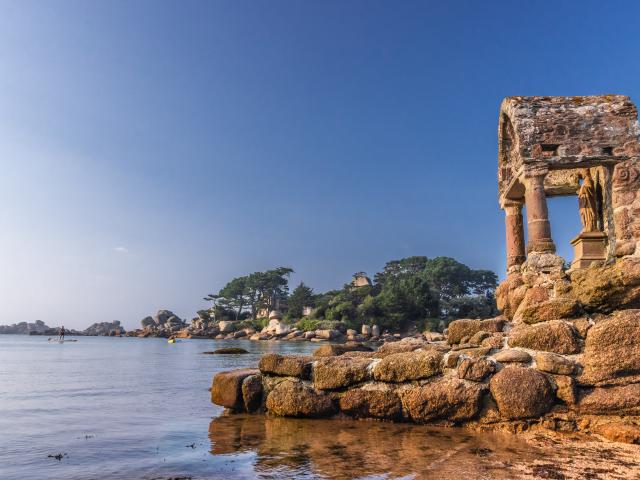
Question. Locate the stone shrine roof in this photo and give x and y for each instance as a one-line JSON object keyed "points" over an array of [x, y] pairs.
{"points": [[564, 132]]}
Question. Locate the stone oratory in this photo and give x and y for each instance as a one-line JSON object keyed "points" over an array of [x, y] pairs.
{"points": [[564, 355], [559, 146], [548, 146]]}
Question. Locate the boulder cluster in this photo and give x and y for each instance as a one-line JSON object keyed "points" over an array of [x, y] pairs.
{"points": [[165, 323], [277, 329], [25, 328], [542, 292], [105, 329], [36, 328], [578, 374]]}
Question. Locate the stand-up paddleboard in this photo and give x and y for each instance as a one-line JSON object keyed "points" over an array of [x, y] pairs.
{"points": [[55, 340]]}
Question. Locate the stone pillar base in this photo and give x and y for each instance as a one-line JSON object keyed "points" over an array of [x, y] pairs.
{"points": [[541, 262], [544, 245], [588, 247]]}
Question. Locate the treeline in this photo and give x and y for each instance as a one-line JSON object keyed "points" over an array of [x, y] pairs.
{"points": [[247, 296], [413, 290]]}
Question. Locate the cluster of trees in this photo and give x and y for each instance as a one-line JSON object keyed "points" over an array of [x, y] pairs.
{"points": [[247, 295], [414, 289], [405, 292]]}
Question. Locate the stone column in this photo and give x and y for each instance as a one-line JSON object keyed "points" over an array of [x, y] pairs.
{"points": [[514, 235], [538, 226]]}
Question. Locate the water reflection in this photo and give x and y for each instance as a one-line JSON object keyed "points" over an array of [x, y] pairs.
{"points": [[342, 449]]}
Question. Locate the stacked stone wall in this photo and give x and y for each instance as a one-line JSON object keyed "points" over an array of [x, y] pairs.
{"points": [[568, 375]]}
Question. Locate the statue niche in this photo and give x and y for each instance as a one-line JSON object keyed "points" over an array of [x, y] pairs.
{"points": [[590, 245], [588, 205]]}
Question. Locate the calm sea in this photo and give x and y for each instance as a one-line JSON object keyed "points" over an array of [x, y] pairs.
{"points": [[128, 408]]}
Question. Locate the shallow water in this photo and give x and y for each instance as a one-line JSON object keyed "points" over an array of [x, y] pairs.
{"points": [[139, 408]]}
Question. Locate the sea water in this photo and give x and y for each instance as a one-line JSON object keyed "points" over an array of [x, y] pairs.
{"points": [[134, 408]]}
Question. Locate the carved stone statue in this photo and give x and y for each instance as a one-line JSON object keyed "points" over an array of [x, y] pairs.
{"points": [[587, 204]]}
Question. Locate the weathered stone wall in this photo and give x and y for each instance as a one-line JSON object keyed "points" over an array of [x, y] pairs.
{"points": [[545, 146], [626, 207], [565, 131], [567, 375], [532, 297]]}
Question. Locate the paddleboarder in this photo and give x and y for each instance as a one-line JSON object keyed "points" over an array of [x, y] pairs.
{"points": [[61, 337]]}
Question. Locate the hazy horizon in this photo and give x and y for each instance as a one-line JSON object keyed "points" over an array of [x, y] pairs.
{"points": [[152, 151]]}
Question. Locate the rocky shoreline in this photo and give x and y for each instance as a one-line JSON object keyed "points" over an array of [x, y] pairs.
{"points": [[493, 379], [333, 335], [536, 369], [166, 324]]}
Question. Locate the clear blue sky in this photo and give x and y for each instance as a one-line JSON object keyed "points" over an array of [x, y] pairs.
{"points": [[150, 151]]}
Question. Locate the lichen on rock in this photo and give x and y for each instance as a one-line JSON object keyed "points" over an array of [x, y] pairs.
{"points": [[512, 355], [458, 329], [333, 350], [414, 365], [382, 404], [621, 400], [521, 392], [286, 365], [293, 398], [476, 369], [612, 349], [407, 345], [554, 336], [226, 389], [449, 399], [553, 363], [339, 372], [605, 288]]}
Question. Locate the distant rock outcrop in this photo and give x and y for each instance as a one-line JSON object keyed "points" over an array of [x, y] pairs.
{"points": [[36, 328], [105, 329], [24, 328], [165, 323]]}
